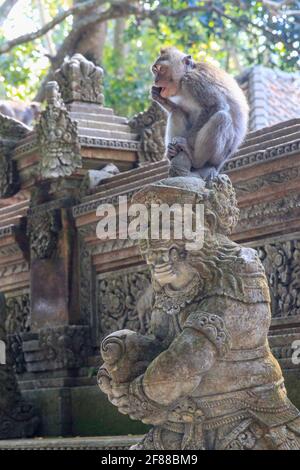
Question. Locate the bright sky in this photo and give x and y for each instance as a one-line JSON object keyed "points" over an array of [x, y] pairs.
{"points": [[17, 22]]}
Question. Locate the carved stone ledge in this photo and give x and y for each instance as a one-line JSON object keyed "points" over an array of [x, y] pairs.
{"points": [[271, 211], [8, 230], [262, 156], [92, 206], [109, 143], [57, 348], [266, 181]]}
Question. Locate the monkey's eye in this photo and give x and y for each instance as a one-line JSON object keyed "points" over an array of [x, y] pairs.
{"points": [[158, 68]]}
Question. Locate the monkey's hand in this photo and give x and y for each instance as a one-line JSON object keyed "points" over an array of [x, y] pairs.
{"points": [[172, 151], [164, 102], [180, 145]]}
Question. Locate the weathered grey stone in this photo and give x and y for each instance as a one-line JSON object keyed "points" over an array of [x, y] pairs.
{"points": [[57, 137], [205, 377], [80, 80], [17, 417], [11, 131], [150, 126]]}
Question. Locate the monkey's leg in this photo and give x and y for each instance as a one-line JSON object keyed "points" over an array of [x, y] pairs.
{"points": [[177, 125], [180, 165], [214, 141], [181, 157]]}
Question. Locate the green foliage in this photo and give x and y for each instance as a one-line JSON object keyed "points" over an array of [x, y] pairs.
{"points": [[267, 40], [23, 68], [245, 34]]}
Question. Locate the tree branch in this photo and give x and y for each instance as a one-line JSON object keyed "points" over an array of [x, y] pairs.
{"points": [[119, 9], [81, 8], [283, 7], [5, 9]]}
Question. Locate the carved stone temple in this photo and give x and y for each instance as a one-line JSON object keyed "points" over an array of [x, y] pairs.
{"points": [[66, 290]]}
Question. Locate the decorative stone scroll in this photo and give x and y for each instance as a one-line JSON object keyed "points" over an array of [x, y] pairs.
{"points": [[57, 137], [80, 80], [204, 376], [151, 127], [17, 417]]}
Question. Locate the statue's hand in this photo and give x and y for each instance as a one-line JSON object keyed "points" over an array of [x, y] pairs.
{"points": [[136, 405], [105, 382], [117, 394]]}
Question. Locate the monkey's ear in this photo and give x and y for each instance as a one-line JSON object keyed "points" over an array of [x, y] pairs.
{"points": [[188, 62]]}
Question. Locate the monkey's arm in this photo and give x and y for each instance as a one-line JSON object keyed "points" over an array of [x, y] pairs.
{"points": [[165, 103], [206, 89]]}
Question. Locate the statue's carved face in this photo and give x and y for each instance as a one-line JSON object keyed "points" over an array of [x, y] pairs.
{"points": [[170, 266]]}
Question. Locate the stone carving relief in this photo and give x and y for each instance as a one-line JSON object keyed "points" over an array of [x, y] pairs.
{"points": [[43, 231], [274, 211], [17, 417], [18, 314], [151, 127], [264, 181], [204, 377], [17, 322], [57, 137], [124, 301], [86, 281], [66, 346], [80, 80], [281, 261], [11, 131]]}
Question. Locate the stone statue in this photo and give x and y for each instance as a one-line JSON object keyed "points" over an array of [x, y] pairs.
{"points": [[18, 418], [57, 137], [80, 80], [204, 375]]}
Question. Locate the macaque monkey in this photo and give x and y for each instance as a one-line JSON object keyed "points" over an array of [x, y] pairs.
{"points": [[207, 113], [21, 111]]}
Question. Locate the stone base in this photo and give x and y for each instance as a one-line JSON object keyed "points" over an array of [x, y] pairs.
{"points": [[73, 443]]}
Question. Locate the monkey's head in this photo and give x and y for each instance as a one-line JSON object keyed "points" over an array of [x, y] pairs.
{"points": [[169, 69]]}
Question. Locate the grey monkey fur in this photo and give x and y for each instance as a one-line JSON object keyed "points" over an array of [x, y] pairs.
{"points": [[207, 113]]}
